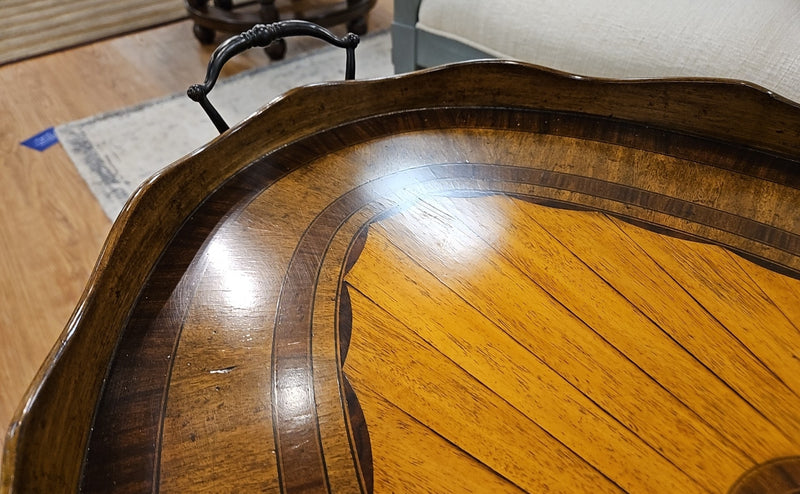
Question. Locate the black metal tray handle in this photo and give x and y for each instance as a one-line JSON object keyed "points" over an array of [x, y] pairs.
{"points": [[262, 35]]}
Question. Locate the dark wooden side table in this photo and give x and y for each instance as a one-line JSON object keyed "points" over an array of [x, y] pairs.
{"points": [[234, 17]]}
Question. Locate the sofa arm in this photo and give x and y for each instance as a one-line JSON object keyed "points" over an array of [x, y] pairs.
{"points": [[404, 38]]}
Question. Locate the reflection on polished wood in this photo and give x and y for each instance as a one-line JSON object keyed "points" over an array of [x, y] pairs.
{"points": [[487, 276], [477, 294], [51, 227]]}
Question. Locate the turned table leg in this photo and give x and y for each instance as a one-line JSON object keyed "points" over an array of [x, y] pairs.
{"points": [[269, 13], [357, 25], [227, 16]]}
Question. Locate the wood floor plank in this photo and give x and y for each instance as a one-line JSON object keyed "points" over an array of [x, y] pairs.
{"points": [[47, 26], [445, 398], [488, 354]]}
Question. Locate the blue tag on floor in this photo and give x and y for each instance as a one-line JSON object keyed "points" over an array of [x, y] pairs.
{"points": [[42, 140]]}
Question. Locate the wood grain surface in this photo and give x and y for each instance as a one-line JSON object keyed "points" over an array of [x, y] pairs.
{"points": [[51, 227], [556, 342], [529, 281]]}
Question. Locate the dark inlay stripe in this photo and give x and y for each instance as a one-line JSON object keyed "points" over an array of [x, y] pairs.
{"points": [[344, 316], [744, 227], [298, 444], [292, 350], [662, 230], [124, 445], [359, 435]]}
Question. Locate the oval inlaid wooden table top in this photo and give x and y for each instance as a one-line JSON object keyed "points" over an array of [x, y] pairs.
{"points": [[487, 277]]}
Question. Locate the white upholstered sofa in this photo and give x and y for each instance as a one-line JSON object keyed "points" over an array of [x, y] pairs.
{"points": [[752, 40]]}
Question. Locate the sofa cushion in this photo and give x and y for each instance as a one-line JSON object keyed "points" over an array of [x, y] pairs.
{"points": [[756, 41]]}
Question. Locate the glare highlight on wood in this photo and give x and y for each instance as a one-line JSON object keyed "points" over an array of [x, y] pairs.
{"points": [[51, 227], [461, 306]]}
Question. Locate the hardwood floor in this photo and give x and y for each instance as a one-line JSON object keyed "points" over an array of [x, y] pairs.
{"points": [[51, 227], [35, 27]]}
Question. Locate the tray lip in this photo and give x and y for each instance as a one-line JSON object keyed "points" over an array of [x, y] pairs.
{"points": [[745, 93], [723, 81], [151, 196]]}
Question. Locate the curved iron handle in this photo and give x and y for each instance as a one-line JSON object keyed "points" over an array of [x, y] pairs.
{"points": [[262, 35]]}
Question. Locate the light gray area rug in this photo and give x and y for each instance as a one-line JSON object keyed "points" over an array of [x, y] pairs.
{"points": [[117, 151]]}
